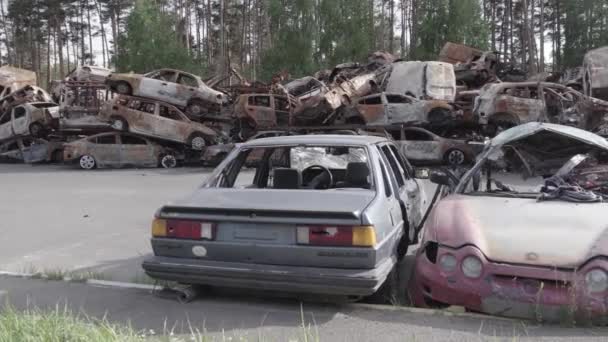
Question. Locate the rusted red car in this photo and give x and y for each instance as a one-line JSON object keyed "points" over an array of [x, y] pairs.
{"points": [[534, 248]]}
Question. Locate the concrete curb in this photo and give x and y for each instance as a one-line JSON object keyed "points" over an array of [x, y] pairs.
{"points": [[430, 312], [353, 306]]}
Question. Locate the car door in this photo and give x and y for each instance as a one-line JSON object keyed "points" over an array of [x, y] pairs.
{"points": [[282, 111], [161, 86], [6, 126], [523, 102], [140, 115], [187, 87], [20, 121], [171, 125], [421, 145], [407, 191], [372, 109], [259, 107], [106, 149], [136, 151], [412, 194]]}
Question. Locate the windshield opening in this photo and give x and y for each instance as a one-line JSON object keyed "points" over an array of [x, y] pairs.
{"points": [[301, 167], [544, 167]]}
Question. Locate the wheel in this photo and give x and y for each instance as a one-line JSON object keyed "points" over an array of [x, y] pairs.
{"points": [[455, 157], [87, 162], [168, 161], [36, 130], [197, 142], [119, 124], [196, 108], [123, 88]]}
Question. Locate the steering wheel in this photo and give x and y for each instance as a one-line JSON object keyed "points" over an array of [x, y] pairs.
{"points": [[324, 180]]}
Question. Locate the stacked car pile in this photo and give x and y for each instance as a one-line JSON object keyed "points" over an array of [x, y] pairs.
{"points": [[101, 128], [437, 111]]}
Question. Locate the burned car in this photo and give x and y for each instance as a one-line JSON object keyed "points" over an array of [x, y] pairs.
{"points": [[156, 119], [31, 150], [332, 214], [389, 109], [504, 244], [595, 73], [86, 74], [503, 105], [33, 119], [12, 78], [421, 146], [22, 95], [118, 150], [213, 155], [176, 87], [473, 67]]}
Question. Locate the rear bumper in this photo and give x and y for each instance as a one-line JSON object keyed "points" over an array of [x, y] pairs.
{"points": [[330, 281]]}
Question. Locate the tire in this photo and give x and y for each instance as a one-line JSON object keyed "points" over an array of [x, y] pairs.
{"points": [[455, 157], [87, 162], [123, 88], [168, 161], [196, 108], [36, 130], [119, 124], [197, 142]]}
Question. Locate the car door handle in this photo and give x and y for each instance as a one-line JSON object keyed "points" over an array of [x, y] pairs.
{"points": [[164, 84]]}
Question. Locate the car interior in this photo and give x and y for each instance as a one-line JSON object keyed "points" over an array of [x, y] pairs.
{"points": [[297, 167]]}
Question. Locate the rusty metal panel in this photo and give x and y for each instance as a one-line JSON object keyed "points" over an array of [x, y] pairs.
{"points": [[457, 53]]}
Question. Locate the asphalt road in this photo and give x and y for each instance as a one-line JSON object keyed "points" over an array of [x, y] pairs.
{"points": [[242, 317], [60, 219]]}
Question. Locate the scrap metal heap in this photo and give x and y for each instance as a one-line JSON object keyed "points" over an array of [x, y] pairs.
{"points": [[466, 95]]}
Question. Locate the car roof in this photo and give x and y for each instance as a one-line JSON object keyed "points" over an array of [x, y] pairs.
{"points": [[317, 139]]}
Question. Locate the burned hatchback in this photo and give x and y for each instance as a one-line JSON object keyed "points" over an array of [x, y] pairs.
{"points": [[508, 243], [323, 214]]}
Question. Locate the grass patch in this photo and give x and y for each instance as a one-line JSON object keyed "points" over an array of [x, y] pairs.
{"points": [[60, 325], [59, 274]]}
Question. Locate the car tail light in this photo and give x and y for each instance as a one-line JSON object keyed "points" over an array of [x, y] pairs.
{"points": [[183, 229], [362, 236]]}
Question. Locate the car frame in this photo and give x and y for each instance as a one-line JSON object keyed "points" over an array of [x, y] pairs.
{"points": [[525, 258], [156, 119], [391, 208], [430, 148], [35, 119], [176, 87], [389, 109]]}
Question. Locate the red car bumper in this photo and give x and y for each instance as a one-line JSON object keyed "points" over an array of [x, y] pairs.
{"points": [[509, 290]]}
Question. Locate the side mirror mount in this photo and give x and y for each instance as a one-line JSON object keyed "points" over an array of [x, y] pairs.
{"points": [[422, 173], [440, 177]]}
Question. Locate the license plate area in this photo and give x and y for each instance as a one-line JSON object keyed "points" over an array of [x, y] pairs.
{"points": [[263, 233]]}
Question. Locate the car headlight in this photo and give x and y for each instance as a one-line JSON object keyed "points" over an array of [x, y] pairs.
{"points": [[448, 263], [596, 280], [472, 267]]}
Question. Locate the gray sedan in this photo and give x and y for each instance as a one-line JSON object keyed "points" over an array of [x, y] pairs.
{"points": [[324, 214]]}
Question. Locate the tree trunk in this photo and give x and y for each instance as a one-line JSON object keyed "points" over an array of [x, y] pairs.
{"points": [[542, 35], [90, 34], [48, 58], [391, 35], [414, 28]]}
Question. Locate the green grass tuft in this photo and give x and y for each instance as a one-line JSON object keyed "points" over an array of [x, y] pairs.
{"points": [[60, 325]]}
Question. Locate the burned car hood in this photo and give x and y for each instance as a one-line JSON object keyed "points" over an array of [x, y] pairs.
{"points": [[522, 231], [348, 204]]}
